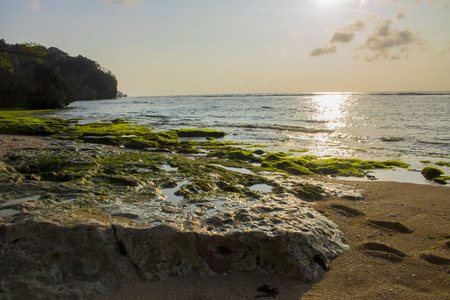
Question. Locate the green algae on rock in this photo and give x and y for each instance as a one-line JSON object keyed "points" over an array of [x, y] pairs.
{"points": [[192, 132], [21, 122], [431, 172], [330, 166], [442, 163], [435, 174]]}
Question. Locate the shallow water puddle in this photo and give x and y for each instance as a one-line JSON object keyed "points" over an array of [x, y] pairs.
{"points": [[168, 168], [261, 187], [20, 200], [8, 212], [395, 175], [170, 192], [238, 170]]}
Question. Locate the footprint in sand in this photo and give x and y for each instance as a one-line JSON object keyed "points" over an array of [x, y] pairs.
{"points": [[395, 226], [434, 259], [347, 211], [382, 251]]}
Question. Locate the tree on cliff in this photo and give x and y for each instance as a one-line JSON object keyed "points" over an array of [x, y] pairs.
{"points": [[32, 76]]}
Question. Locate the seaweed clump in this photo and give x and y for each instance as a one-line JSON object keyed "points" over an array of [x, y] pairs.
{"points": [[192, 132], [19, 122], [435, 174], [431, 172], [308, 164]]}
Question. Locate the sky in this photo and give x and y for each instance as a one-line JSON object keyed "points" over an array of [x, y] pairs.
{"points": [[185, 47]]}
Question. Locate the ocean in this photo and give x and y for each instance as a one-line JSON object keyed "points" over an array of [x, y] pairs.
{"points": [[411, 127]]}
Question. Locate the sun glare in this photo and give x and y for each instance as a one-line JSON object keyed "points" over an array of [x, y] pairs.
{"points": [[329, 2], [329, 108]]}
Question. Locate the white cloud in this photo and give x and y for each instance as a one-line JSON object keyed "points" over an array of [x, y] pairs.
{"points": [[347, 33], [34, 5], [389, 43], [383, 40], [323, 50], [344, 34]]}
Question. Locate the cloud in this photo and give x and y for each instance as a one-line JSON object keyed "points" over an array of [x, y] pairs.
{"points": [[124, 2], [389, 43], [323, 50], [34, 5], [293, 36], [342, 35], [400, 15], [346, 33]]}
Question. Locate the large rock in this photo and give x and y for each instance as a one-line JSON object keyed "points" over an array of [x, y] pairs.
{"points": [[280, 235], [34, 77], [103, 228], [33, 86]]}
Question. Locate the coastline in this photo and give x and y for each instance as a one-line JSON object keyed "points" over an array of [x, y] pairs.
{"points": [[385, 260]]}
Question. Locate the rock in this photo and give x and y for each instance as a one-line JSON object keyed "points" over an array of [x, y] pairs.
{"points": [[112, 226], [34, 86], [61, 261], [34, 77], [431, 172]]}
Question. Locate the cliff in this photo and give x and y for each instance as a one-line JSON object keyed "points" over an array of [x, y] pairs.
{"points": [[35, 77]]}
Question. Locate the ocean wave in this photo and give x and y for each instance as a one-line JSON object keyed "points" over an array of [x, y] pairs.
{"points": [[279, 127], [434, 142], [316, 121], [391, 138], [410, 94], [443, 93]]}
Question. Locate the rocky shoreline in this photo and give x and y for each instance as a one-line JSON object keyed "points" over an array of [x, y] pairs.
{"points": [[89, 218], [79, 220]]}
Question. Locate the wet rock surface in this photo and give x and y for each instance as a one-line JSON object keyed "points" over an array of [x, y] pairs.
{"points": [[89, 218]]}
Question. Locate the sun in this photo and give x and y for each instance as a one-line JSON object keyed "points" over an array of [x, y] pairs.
{"points": [[329, 2]]}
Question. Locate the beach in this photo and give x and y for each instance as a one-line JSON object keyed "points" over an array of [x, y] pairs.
{"points": [[408, 257], [399, 238]]}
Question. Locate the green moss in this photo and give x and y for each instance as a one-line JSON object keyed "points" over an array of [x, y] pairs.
{"points": [[441, 179], [193, 132], [276, 156], [236, 154], [291, 167], [431, 172], [309, 157], [20, 122], [299, 150], [205, 185], [330, 166], [257, 146], [309, 192], [115, 132], [442, 163], [425, 161]]}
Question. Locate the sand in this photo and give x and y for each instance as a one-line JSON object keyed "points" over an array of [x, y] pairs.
{"points": [[405, 256], [399, 238], [10, 143]]}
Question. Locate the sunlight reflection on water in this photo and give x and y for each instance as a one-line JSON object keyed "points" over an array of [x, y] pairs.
{"points": [[333, 109]]}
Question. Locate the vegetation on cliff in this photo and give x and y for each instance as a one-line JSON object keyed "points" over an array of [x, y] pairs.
{"points": [[35, 77]]}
